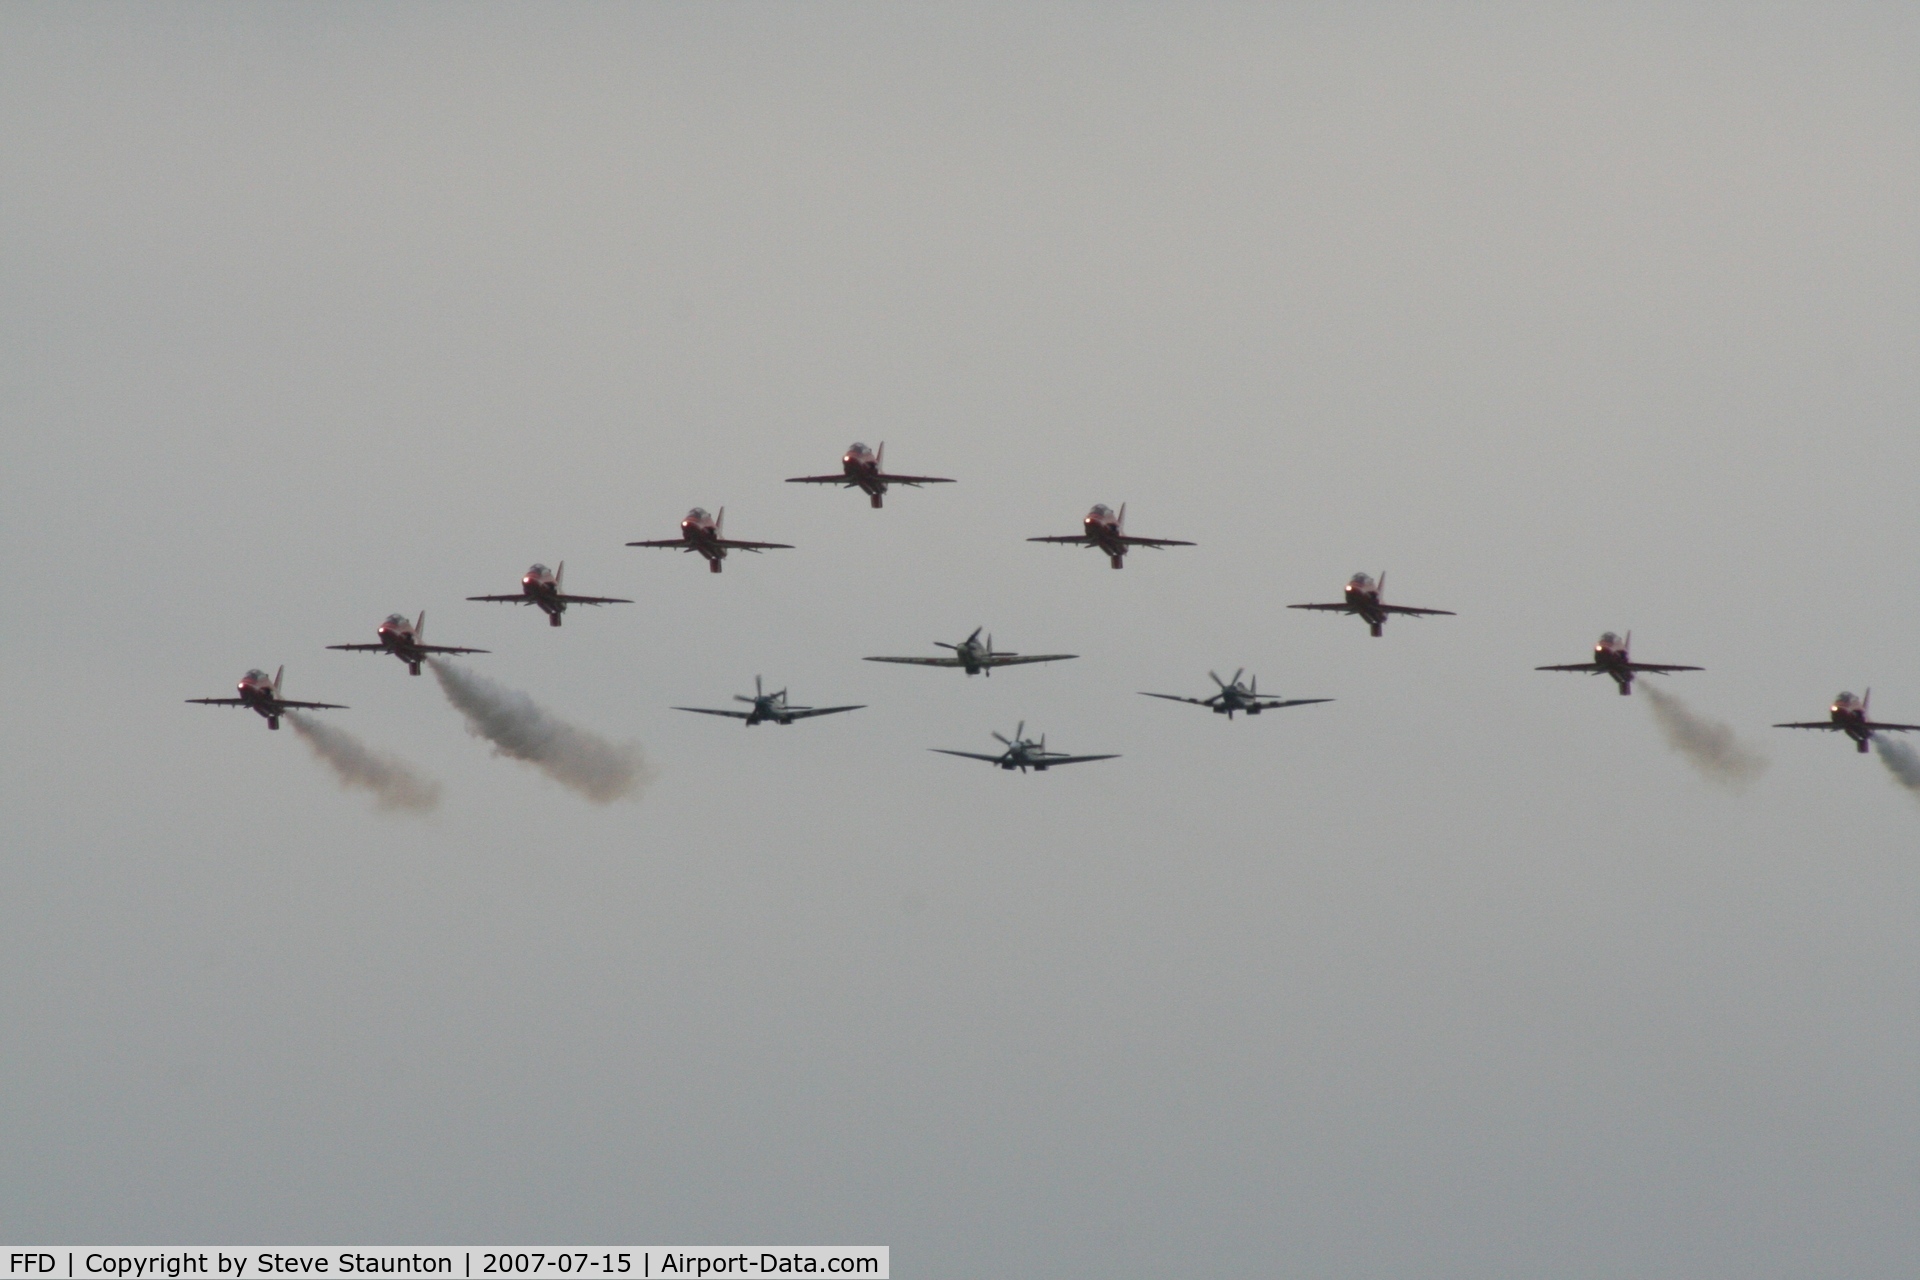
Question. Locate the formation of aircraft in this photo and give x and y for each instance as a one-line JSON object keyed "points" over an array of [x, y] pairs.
{"points": [[1023, 753], [1848, 715], [768, 706], [979, 657], [1235, 696], [1363, 600], [263, 695], [1104, 529], [1611, 657], [864, 469], [401, 638], [541, 586], [704, 533]]}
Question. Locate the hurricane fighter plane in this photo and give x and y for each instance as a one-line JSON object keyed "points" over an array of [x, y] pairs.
{"points": [[1107, 531], [1235, 696], [401, 638], [768, 706], [1363, 600], [1023, 753], [863, 468], [263, 695], [979, 657], [702, 532], [541, 586], [1848, 715], [1610, 657]]}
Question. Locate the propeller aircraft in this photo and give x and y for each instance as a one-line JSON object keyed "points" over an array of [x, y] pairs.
{"points": [[768, 706], [1235, 696], [1023, 753], [979, 657]]}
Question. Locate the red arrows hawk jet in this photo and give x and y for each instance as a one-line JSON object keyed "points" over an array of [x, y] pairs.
{"points": [[541, 586], [1848, 715], [1610, 657], [1108, 532], [1363, 599], [263, 695], [702, 532], [864, 469], [401, 638]]}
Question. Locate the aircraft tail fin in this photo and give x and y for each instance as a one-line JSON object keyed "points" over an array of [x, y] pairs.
{"points": [[720, 524], [1380, 586], [1866, 699], [420, 625], [559, 574], [1120, 525], [880, 457], [276, 679]]}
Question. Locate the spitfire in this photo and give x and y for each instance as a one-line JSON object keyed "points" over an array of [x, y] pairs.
{"points": [[1235, 696], [1364, 602], [1023, 753], [263, 695], [541, 587], [978, 657], [865, 469], [768, 706]]}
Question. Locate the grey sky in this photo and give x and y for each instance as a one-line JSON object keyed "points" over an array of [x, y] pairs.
{"points": [[1568, 320]]}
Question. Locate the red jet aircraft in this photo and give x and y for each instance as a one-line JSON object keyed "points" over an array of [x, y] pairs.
{"points": [[863, 471], [702, 532], [1848, 715], [1610, 657], [401, 638], [263, 695], [541, 586], [1363, 598], [1108, 532]]}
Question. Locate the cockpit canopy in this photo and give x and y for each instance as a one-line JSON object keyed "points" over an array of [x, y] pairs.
{"points": [[1361, 580], [257, 676], [1609, 640], [1846, 700], [858, 450], [1102, 510], [700, 515], [399, 621], [537, 571]]}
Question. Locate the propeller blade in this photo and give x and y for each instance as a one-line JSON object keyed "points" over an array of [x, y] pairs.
{"points": [[1236, 676], [1217, 680], [756, 685], [976, 634], [1021, 732], [1002, 737]]}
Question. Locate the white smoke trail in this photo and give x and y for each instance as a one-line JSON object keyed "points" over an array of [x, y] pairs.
{"points": [[1901, 761], [1707, 744], [601, 771], [395, 785]]}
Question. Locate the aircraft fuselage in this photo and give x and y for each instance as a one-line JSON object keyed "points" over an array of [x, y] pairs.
{"points": [[863, 469]]}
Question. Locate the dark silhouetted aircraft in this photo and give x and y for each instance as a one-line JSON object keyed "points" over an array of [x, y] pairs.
{"points": [[1023, 753], [1848, 715], [263, 695], [768, 706], [1610, 657], [1108, 532], [863, 470], [541, 586], [1363, 600], [979, 657], [702, 532], [401, 638], [1234, 696]]}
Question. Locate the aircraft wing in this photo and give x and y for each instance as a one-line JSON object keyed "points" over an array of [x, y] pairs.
{"points": [[735, 545], [1589, 667], [566, 600], [1659, 668], [1336, 608], [1129, 540], [360, 648], [425, 648], [220, 702], [312, 706], [913, 480], [842, 478], [924, 662], [680, 543], [801, 713], [1897, 728], [1080, 538], [1401, 608], [522, 598], [1291, 702], [1808, 724], [711, 711], [971, 755], [1015, 659], [1050, 761], [1174, 697]]}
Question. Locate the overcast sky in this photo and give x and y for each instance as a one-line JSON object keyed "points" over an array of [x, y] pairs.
{"points": [[1568, 318]]}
